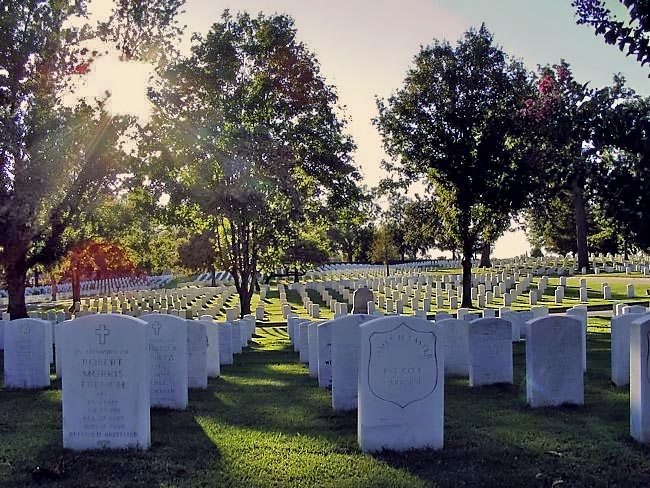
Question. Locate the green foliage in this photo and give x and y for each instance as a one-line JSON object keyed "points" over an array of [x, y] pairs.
{"points": [[146, 30], [350, 228], [632, 35], [592, 147], [456, 123], [245, 139], [56, 161], [198, 253], [622, 150], [384, 249], [562, 119], [304, 254]]}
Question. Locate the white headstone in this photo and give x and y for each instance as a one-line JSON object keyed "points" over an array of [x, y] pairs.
{"points": [[580, 313], [105, 385], [633, 309], [303, 337], [401, 385], [345, 360], [312, 339], [214, 346], [26, 362], [554, 374], [236, 336], [197, 354], [167, 337], [490, 352], [225, 343], [324, 333], [640, 379], [455, 342], [620, 350]]}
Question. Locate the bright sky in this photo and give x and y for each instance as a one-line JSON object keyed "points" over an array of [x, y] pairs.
{"points": [[366, 46]]}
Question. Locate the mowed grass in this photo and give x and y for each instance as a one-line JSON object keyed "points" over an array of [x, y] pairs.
{"points": [[266, 423]]}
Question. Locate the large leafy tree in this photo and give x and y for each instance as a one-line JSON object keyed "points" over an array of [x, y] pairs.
{"points": [[384, 249], [621, 146], [246, 132], [565, 118], [350, 226], [631, 34], [55, 160], [455, 121], [198, 253]]}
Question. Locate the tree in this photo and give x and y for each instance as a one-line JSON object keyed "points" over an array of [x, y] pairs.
{"points": [[55, 160], [551, 224], [349, 226], [384, 250], [198, 253], [245, 133], [302, 255], [632, 35], [622, 151], [138, 222], [456, 123], [95, 259], [568, 119]]}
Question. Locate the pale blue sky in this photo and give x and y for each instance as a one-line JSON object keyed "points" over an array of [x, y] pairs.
{"points": [[365, 48]]}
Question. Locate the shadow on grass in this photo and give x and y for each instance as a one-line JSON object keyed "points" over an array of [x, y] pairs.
{"points": [[32, 453]]}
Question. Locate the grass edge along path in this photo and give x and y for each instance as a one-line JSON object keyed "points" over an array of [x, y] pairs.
{"points": [[266, 423]]}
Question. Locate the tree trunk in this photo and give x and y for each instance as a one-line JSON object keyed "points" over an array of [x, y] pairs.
{"points": [[295, 275], [53, 285], [213, 276], [349, 254], [387, 269], [485, 256], [36, 275], [16, 262], [581, 224], [76, 288], [245, 300], [467, 273]]}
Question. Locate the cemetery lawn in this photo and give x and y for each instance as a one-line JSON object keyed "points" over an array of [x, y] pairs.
{"points": [[266, 423]]}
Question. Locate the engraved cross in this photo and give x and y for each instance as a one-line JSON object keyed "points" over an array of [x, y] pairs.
{"points": [[156, 327], [102, 332]]}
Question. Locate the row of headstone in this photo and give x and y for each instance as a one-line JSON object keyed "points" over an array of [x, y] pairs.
{"points": [[384, 363], [114, 368]]}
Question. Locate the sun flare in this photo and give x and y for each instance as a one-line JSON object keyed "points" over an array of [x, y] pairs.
{"points": [[125, 83]]}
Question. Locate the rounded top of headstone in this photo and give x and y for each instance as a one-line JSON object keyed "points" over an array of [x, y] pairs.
{"points": [[162, 318], [350, 320], [360, 300]]}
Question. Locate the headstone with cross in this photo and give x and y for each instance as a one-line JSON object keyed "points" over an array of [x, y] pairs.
{"points": [[167, 338], [105, 385]]}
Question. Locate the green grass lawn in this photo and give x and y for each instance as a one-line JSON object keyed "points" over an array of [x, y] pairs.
{"points": [[266, 423]]}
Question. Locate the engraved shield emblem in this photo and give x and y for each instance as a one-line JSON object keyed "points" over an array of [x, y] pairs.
{"points": [[402, 365]]}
